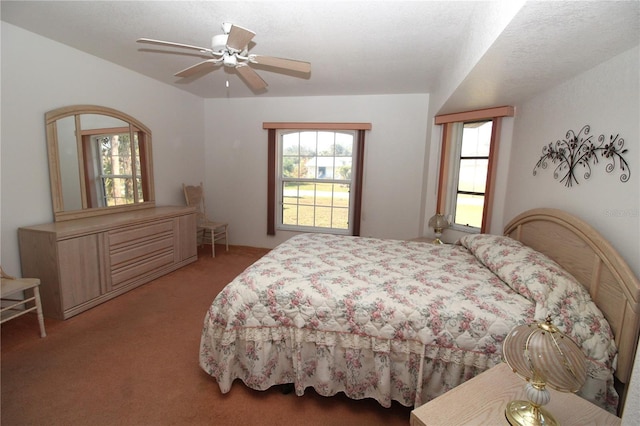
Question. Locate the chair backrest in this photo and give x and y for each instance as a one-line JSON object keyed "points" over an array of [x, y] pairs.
{"points": [[5, 275], [194, 197]]}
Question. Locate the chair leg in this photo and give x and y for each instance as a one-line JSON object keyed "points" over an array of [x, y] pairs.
{"points": [[36, 296], [213, 243]]}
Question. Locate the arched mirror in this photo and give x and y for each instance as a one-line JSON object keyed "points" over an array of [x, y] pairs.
{"points": [[100, 162]]}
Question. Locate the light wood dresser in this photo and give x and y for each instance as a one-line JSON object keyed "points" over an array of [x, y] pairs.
{"points": [[84, 262]]}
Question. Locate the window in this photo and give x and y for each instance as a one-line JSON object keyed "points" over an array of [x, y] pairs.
{"points": [[471, 164], [469, 151], [115, 171], [315, 177], [113, 176], [315, 180]]}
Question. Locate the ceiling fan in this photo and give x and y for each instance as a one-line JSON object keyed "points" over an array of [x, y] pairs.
{"points": [[231, 50]]}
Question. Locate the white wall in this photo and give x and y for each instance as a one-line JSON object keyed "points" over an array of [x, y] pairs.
{"points": [[606, 98], [236, 160], [39, 75]]}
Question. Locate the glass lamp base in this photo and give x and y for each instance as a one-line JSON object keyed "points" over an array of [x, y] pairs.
{"points": [[523, 413]]}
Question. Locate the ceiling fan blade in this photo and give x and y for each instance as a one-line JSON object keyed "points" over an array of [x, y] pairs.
{"points": [[239, 38], [252, 78], [288, 64], [195, 69], [172, 44]]}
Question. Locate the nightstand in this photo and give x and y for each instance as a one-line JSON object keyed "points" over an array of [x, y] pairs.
{"points": [[482, 400]]}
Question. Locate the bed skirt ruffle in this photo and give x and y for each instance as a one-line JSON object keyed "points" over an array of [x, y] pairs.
{"points": [[359, 366]]}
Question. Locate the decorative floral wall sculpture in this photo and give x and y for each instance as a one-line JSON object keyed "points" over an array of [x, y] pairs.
{"points": [[579, 150]]}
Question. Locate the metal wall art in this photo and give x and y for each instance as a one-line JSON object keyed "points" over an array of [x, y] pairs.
{"points": [[580, 150]]}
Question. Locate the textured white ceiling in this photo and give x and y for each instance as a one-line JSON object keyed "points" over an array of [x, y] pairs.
{"points": [[373, 47]]}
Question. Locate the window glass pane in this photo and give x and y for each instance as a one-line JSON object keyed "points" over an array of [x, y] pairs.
{"points": [[308, 167], [323, 217], [344, 144], [323, 166], [343, 168], [324, 194], [308, 144], [289, 214], [290, 144], [290, 166], [476, 139], [473, 175], [306, 215], [341, 195], [340, 219], [326, 143], [469, 210]]}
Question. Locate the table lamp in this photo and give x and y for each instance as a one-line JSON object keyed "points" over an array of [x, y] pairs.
{"points": [[543, 356], [438, 222]]}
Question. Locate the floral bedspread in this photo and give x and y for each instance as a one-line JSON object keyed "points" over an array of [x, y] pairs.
{"points": [[392, 320]]}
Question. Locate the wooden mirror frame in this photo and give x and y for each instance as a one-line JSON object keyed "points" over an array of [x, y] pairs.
{"points": [[53, 149]]}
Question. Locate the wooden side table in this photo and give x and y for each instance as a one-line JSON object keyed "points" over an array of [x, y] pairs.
{"points": [[482, 400]]}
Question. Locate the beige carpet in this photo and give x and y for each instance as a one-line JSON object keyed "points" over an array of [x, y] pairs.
{"points": [[134, 361]]}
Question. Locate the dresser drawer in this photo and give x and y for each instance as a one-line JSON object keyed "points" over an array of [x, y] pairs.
{"points": [[141, 267], [140, 249], [129, 235]]}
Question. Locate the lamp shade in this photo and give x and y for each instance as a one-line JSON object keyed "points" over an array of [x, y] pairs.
{"points": [[543, 356], [541, 353], [438, 221]]}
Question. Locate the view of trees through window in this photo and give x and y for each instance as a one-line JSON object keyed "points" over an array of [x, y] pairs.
{"points": [[316, 178], [116, 174]]}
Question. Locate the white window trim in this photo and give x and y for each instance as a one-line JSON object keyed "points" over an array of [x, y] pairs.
{"points": [[279, 181]]}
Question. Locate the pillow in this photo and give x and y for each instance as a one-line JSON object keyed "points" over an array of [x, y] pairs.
{"points": [[525, 270]]}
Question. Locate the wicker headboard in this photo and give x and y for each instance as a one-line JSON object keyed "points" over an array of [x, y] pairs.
{"points": [[583, 252]]}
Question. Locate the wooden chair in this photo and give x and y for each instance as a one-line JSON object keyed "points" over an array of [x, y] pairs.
{"points": [[11, 286], [208, 230]]}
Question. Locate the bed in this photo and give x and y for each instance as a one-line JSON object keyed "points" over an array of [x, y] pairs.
{"points": [[406, 321]]}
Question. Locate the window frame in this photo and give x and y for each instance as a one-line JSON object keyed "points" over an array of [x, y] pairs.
{"points": [[456, 160], [357, 169], [281, 179], [448, 174]]}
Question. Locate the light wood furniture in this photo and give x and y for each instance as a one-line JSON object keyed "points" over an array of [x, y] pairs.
{"points": [[84, 262], [11, 286], [482, 400], [217, 231], [582, 251]]}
